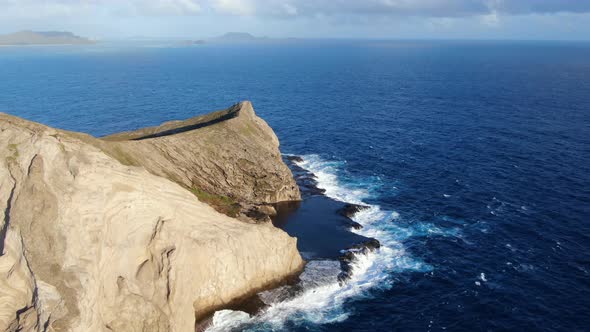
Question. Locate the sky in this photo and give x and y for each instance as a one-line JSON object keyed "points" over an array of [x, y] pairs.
{"points": [[374, 19]]}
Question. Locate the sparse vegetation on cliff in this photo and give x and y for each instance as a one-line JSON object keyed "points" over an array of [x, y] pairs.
{"points": [[220, 203]]}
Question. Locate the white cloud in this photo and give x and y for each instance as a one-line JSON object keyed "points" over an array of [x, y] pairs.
{"points": [[291, 8], [170, 7], [492, 19], [234, 7], [71, 8]]}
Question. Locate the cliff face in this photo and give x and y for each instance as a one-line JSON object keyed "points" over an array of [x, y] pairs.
{"points": [[95, 236], [230, 153]]}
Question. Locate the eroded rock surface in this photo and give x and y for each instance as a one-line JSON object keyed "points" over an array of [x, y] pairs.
{"points": [[231, 153], [95, 235]]}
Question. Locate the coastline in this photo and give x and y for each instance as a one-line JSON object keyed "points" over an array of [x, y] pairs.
{"points": [[330, 256], [249, 303], [474, 179], [150, 253]]}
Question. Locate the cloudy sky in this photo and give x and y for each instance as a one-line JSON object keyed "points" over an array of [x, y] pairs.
{"points": [[473, 19]]}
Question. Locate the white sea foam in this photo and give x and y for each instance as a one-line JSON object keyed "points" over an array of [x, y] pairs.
{"points": [[326, 173], [482, 277], [226, 320], [323, 296]]}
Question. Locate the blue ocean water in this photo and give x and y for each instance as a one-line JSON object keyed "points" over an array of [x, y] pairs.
{"points": [[474, 158]]}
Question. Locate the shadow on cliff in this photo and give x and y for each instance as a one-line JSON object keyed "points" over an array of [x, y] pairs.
{"points": [[4, 229], [230, 115]]}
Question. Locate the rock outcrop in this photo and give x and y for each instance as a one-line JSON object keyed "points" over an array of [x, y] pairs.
{"points": [[231, 154], [106, 235]]}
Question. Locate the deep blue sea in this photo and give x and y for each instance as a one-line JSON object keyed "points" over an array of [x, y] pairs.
{"points": [[474, 158]]}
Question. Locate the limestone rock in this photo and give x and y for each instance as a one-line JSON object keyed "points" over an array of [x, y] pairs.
{"points": [[230, 153], [92, 241]]}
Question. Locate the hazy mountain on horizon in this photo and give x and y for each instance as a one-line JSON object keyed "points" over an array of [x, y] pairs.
{"points": [[238, 37], [244, 37], [28, 37]]}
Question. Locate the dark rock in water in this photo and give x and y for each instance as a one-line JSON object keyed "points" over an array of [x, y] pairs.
{"points": [[370, 245], [361, 248], [321, 232], [317, 223], [307, 181], [349, 210], [348, 256], [354, 224], [308, 186], [295, 159]]}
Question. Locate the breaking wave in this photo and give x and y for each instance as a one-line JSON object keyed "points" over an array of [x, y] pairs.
{"points": [[322, 296]]}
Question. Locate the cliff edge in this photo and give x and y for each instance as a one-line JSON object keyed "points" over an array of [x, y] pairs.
{"points": [[230, 158], [112, 234]]}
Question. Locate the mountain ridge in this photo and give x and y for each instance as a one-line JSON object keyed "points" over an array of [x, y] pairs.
{"points": [[29, 37]]}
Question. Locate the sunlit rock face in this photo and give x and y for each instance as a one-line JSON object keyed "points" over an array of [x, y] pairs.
{"points": [[96, 236]]}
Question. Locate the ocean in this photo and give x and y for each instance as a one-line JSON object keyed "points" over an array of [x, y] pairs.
{"points": [[472, 156]]}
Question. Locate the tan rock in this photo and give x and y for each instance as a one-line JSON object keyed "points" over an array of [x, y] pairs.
{"points": [[232, 153], [90, 244]]}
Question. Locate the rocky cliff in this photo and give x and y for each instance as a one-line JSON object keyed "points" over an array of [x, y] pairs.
{"points": [[228, 157], [113, 234]]}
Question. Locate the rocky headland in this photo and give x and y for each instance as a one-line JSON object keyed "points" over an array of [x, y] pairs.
{"points": [[149, 230]]}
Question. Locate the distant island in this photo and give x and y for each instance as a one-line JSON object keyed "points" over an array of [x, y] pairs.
{"points": [[43, 38], [247, 38], [193, 42], [238, 37]]}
